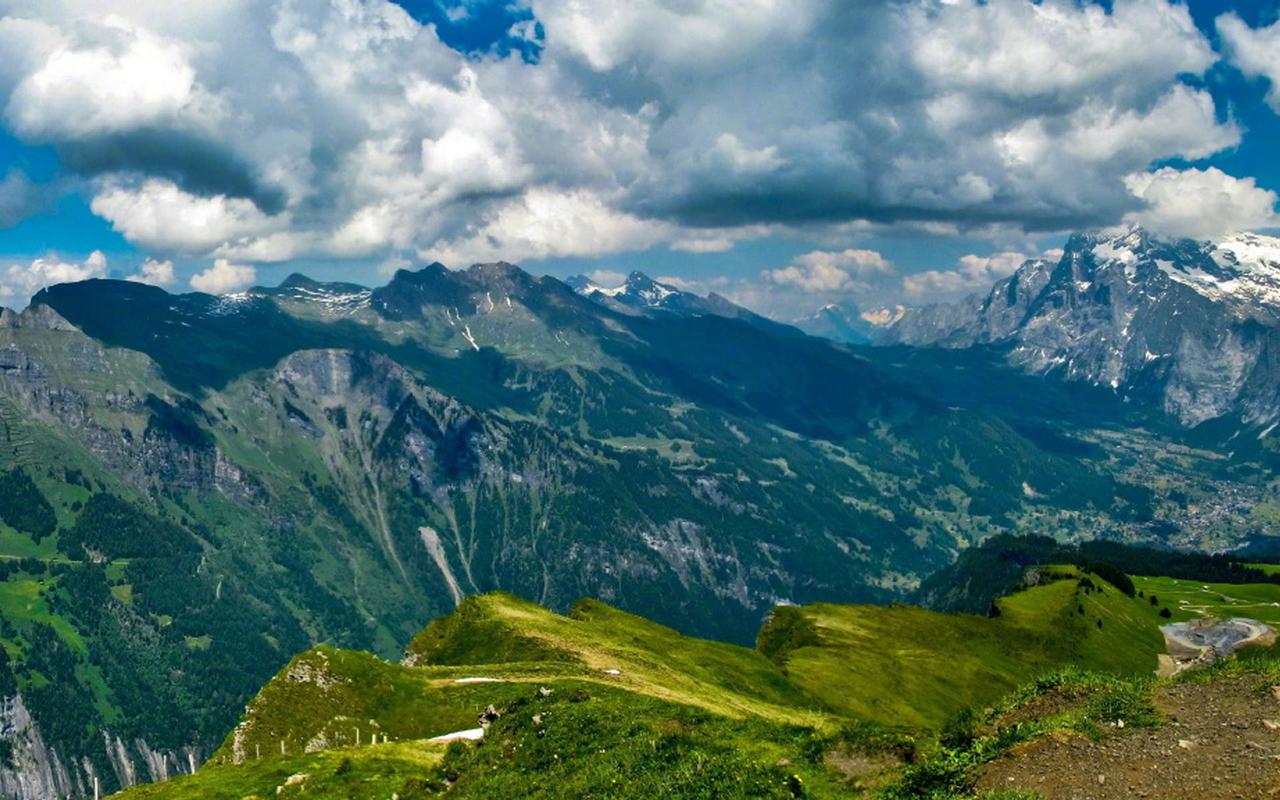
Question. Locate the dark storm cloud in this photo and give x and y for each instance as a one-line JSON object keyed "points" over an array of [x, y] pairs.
{"points": [[193, 162]]}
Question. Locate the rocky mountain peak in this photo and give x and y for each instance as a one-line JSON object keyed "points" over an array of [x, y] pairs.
{"points": [[840, 322], [638, 290], [1195, 322], [37, 316]]}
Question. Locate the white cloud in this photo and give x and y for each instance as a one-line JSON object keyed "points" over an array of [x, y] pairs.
{"points": [[154, 273], [121, 78], [1055, 49], [272, 131], [821, 271], [159, 215], [975, 113], [1181, 121], [669, 34], [18, 282], [606, 278], [1256, 51], [971, 273], [704, 244], [224, 277], [1200, 203], [545, 224]]}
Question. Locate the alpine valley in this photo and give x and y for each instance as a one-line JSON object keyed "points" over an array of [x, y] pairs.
{"points": [[195, 489]]}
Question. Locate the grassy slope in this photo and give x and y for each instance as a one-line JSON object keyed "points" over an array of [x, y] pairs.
{"points": [[679, 711], [344, 773], [326, 694], [652, 659], [691, 718], [1187, 599], [907, 666]]}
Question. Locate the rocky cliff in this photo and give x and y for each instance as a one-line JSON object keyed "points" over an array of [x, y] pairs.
{"points": [[1192, 326]]}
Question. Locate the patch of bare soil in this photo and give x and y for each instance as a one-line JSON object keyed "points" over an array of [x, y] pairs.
{"points": [[1218, 740], [863, 770]]}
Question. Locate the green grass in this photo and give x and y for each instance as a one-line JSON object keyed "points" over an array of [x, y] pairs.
{"points": [[902, 665], [19, 545], [1188, 599], [371, 771], [649, 690], [650, 659], [1270, 569], [606, 704], [346, 696], [22, 602], [593, 741]]}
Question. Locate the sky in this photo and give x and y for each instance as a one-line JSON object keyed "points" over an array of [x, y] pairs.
{"points": [[785, 153]]}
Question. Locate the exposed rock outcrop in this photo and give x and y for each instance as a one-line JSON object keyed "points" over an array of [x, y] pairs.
{"points": [[1193, 325]]}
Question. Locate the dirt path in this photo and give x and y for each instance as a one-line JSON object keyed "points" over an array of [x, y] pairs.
{"points": [[1215, 743]]}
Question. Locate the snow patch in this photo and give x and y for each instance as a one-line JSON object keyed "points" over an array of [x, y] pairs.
{"points": [[469, 735]]}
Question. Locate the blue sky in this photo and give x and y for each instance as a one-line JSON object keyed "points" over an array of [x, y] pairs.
{"points": [[790, 154]]}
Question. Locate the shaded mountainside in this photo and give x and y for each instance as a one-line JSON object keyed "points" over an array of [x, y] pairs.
{"points": [[1190, 327], [603, 703], [195, 488]]}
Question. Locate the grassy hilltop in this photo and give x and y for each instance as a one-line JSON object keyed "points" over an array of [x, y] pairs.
{"points": [[834, 701]]}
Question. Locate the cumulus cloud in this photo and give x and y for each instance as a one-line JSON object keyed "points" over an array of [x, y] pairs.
{"points": [[820, 271], [979, 112], [1255, 51], [275, 130], [547, 223], [160, 215], [223, 277], [1200, 203], [971, 273], [123, 77], [154, 273], [18, 282]]}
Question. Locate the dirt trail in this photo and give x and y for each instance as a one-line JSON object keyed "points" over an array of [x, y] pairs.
{"points": [[1218, 740]]}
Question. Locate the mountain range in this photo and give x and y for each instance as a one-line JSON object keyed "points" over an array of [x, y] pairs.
{"points": [[195, 488], [1192, 328]]}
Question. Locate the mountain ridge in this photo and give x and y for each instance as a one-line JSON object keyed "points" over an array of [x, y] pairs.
{"points": [[351, 461], [578, 699], [1191, 327]]}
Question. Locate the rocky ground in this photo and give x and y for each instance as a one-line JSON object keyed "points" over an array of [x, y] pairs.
{"points": [[1216, 740]]}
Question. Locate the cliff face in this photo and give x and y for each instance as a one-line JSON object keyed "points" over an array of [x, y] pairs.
{"points": [[36, 771], [1195, 326]]}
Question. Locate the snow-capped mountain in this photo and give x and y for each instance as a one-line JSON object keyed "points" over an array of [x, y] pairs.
{"points": [[640, 294], [337, 298], [639, 291], [839, 322], [1193, 325], [846, 322]]}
